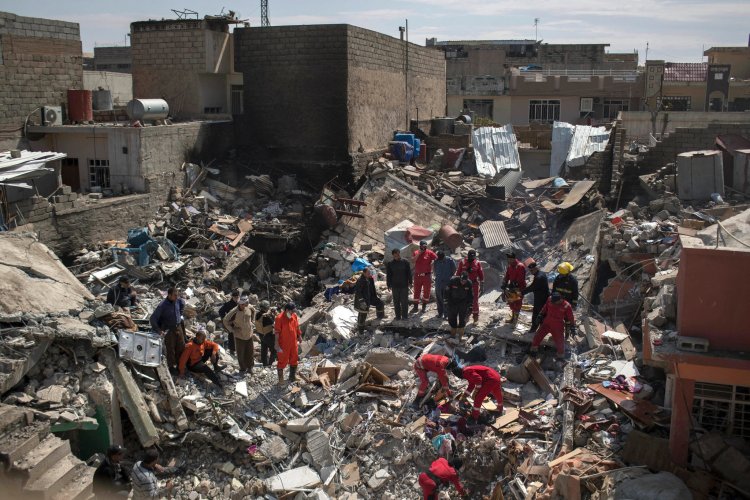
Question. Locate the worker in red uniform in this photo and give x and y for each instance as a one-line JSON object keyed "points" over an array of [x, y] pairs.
{"points": [[514, 285], [556, 317], [436, 364], [442, 473], [476, 274], [423, 259], [486, 381], [288, 334]]}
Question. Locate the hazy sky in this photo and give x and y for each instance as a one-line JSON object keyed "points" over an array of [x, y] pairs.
{"points": [[677, 30]]}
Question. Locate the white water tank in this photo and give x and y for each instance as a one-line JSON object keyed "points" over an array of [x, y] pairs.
{"points": [[148, 109]]}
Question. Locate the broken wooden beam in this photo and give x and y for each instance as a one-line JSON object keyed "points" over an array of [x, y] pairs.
{"points": [[175, 405], [538, 375]]}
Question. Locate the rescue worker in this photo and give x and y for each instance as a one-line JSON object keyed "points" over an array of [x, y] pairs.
{"points": [[366, 295], [514, 285], [196, 353], [240, 322], [122, 295], [223, 311], [398, 279], [556, 318], [566, 284], [436, 364], [168, 322], [111, 479], [288, 334], [459, 296], [442, 473], [486, 381], [264, 319], [540, 288], [476, 274], [444, 268], [423, 259]]}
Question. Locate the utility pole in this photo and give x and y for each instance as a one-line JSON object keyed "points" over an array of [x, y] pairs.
{"points": [[536, 29], [264, 13]]}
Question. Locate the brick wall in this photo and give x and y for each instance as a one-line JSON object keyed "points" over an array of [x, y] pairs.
{"points": [[41, 60]]}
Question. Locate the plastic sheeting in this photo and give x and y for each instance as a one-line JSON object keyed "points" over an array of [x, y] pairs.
{"points": [[343, 319], [573, 144], [495, 150]]}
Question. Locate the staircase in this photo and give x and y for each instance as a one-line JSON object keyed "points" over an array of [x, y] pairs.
{"points": [[37, 465]]}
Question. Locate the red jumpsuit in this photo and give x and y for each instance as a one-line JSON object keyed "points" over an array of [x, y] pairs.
{"points": [[515, 276], [555, 317], [487, 381], [476, 274], [289, 333], [444, 473], [423, 274], [431, 363]]}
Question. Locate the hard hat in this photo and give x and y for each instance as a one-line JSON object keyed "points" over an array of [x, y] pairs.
{"points": [[565, 268]]}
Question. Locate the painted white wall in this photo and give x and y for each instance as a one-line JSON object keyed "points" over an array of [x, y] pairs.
{"points": [[119, 84]]}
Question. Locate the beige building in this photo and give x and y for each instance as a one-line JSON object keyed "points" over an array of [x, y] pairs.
{"points": [[737, 57]]}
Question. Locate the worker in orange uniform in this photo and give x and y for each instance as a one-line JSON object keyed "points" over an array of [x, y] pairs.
{"points": [[288, 334], [442, 473], [514, 285], [485, 381], [196, 353], [436, 364], [423, 259], [556, 316], [476, 274]]}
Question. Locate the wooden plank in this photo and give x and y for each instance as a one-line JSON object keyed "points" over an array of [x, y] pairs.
{"points": [[509, 417], [565, 457], [538, 375]]}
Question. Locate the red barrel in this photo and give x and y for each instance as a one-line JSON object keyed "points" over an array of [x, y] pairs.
{"points": [[450, 237], [80, 106]]}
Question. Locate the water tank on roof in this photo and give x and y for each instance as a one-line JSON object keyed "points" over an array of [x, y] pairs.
{"points": [[148, 109], [79, 106], [439, 126], [102, 100]]}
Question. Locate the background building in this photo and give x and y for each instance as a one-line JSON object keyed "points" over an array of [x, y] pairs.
{"points": [[116, 59]]}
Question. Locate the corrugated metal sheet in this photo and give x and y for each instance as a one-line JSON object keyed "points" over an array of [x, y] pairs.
{"points": [[586, 141], [574, 196], [495, 150], [494, 234], [30, 165], [509, 181]]}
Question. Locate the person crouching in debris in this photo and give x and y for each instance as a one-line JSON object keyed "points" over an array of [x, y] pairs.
{"points": [[483, 382], [223, 311], [110, 479], [459, 297], [514, 285], [240, 322], [145, 483], [288, 334], [540, 288], [264, 319], [167, 320], [398, 279], [423, 259], [366, 295], [472, 266], [556, 315], [434, 363], [566, 284], [122, 295], [442, 473], [196, 353]]}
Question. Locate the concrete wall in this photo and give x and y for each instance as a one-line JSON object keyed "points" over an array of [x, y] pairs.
{"points": [[569, 108], [638, 123], [119, 84], [115, 59], [40, 60], [535, 162], [501, 106], [739, 59]]}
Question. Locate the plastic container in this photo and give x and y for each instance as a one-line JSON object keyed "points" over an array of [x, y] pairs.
{"points": [[402, 151], [102, 100], [80, 107], [148, 109], [409, 138]]}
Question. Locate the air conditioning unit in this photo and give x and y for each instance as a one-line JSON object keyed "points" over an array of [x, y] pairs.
{"points": [[52, 115], [587, 104]]}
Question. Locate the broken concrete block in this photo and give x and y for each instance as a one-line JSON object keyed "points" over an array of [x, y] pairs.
{"points": [[518, 374], [318, 444], [656, 317], [351, 421], [378, 479], [227, 468], [236, 485], [731, 464], [350, 384], [388, 361], [275, 449], [668, 277], [301, 425], [301, 477], [661, 486], [54, 393]]}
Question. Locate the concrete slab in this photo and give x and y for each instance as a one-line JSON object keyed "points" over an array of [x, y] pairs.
{"points": [[301, 477]]}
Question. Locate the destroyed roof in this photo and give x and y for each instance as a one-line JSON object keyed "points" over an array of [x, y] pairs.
{"points": [[30, 165], [734, 234], [685, 72]]}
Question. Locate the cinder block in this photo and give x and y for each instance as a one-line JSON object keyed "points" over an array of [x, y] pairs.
{"points": [[694, 344]]}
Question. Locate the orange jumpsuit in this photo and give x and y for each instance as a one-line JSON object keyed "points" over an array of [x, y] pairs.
{"points": [[289, 333]]}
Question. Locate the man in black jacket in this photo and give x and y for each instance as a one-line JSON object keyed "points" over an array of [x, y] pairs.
{"points": [[398, 278], [110, 479], [122, 295], [366, 295], [459, 296], [566, 284], [540, 288], [223, 311]]}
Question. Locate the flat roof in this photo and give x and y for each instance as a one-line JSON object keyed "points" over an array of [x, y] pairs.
{"points": [[726, 49]]}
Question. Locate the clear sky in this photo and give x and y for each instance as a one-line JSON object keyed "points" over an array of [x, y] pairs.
{"points": [[676, 30]]}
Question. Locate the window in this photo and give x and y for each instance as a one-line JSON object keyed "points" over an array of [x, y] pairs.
{"points": [[723, 408], [675, 103], [237, 107], [544, 110], [614, 106], [99, 174], [481, 107]]}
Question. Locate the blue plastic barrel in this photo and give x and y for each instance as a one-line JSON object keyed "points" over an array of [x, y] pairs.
{"points": [[409, 138]]}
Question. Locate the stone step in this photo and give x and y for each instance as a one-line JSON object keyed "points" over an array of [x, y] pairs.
{"points": [[81, 486], [14, 445], [59, 475], [43, 457], [12, 418]]}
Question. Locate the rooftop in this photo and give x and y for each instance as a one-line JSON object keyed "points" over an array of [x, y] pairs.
{"points": [[685, 72], [726, 49]]}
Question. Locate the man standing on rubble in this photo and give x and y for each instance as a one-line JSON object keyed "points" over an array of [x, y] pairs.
{"points": [[223, 311], [196, 353], [476, 274], [398, 279], [366, 295], [145, 483], [423, 259], [264, 320], [514, 285], [459, 296], [483, 382], [442, 473], [432, 363], [167, 320], [288, 335], [556, 318], [444, 268], [122, 295], [540, 288], [566, 284], [240, 322]]}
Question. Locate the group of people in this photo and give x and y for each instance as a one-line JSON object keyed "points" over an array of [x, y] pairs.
{"points": [[113, 480]]}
